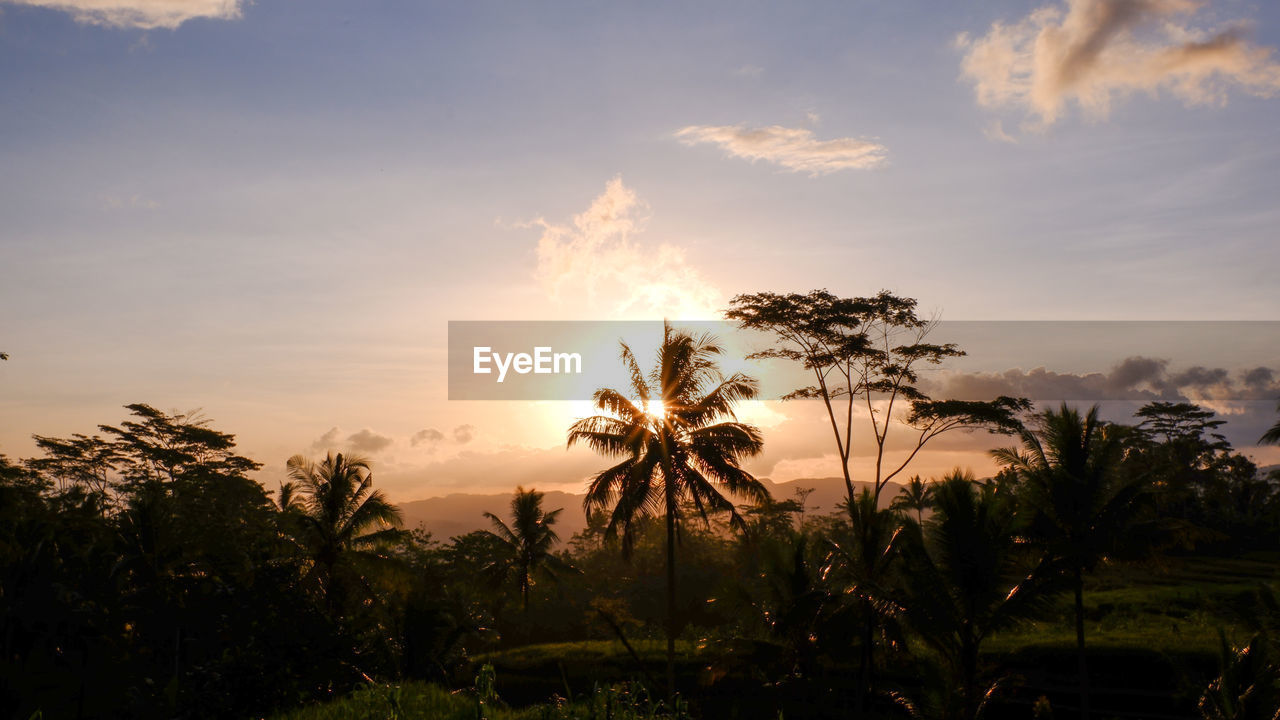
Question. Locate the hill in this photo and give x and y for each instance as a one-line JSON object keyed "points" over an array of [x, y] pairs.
{"points": [[461, 513]]}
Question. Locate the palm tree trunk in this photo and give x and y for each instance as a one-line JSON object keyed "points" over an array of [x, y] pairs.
{"points": [[864, 670], [969, 668], [671, 598], [1081, 659]]}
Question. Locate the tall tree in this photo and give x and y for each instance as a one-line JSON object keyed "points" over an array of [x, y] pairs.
{"points": [[343, 518], [864, 555], [966, 579], [680, 445], [1178, 444], [1082, 507], [867, 352], [528, 539]]}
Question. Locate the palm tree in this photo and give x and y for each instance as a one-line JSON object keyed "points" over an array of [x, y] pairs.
{"points": [[289, 500], [342, 516], [680, 444], [862, 559], [965, 580], [916, 495], [1273, 435], [529, 538], [1081, 507]]}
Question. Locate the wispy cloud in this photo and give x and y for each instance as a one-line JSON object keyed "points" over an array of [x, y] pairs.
{"points": [[1093, 52], [793, 148], [145, 14], [603, 258]]}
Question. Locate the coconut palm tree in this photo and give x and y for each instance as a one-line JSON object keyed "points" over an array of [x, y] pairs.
{"points": [[863, 558], [1081, 506], [289, 500], [342, 516], [916, 495], [528, 540], [1273, 435], [680, 445], [966, 579]]}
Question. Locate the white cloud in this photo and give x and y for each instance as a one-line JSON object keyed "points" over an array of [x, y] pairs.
{"points": [[602, 258], [793, 148], [1093, 52], [145, 14]]}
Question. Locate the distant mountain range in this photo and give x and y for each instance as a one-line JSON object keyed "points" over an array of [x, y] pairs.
{"points": [[461, 513]]}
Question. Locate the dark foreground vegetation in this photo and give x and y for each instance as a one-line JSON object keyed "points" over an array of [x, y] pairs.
{"points": [[1109, 570]]}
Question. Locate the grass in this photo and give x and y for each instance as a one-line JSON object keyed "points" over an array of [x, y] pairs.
{"points": [[587, 652], [420, 701], [1175, 608], [1145, 625]]}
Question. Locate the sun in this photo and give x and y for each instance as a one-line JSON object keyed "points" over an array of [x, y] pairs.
{"points": [[655, 409]]}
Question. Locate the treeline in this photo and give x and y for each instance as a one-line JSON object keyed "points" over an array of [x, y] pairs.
{"points": [[144, 574]]}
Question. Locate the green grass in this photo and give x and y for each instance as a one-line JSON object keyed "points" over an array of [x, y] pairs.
{"points": [[1176, 607], [1166, 615], [404, 702], [419, 701], [587, 652]]}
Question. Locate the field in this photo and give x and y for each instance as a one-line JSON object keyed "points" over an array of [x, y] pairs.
{"points": [[1153, 639]]}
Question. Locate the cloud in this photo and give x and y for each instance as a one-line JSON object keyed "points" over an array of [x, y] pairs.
{"points": [[368, 441], [602, 258], [793, 148], [364, 441], [995, 131], [463, 434], [328, 440], [430, 436], [1137, 379], [144, 14], [1093, 52]]}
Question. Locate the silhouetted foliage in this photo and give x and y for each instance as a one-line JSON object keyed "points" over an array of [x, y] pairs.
{"points": [[679, 444], [868, 351]]}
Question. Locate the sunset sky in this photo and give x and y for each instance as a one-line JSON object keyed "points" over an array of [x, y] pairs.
{"points": [[271, 210]]}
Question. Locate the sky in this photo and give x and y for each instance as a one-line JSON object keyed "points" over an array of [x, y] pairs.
{"points": [[272, 210]]}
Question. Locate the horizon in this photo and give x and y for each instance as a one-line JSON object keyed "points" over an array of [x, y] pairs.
{"points": [[272, 212]]}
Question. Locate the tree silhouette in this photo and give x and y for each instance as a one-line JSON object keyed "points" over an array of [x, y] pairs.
{"points": [[1082, 508], [1272, 435], [916, 496], [964, 580], [680, 443], [289, 499], [868, 352], [343, 517], [528, 540], [861, 561]]}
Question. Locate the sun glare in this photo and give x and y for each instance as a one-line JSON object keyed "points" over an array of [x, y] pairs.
{"points": [[655, 409]]}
